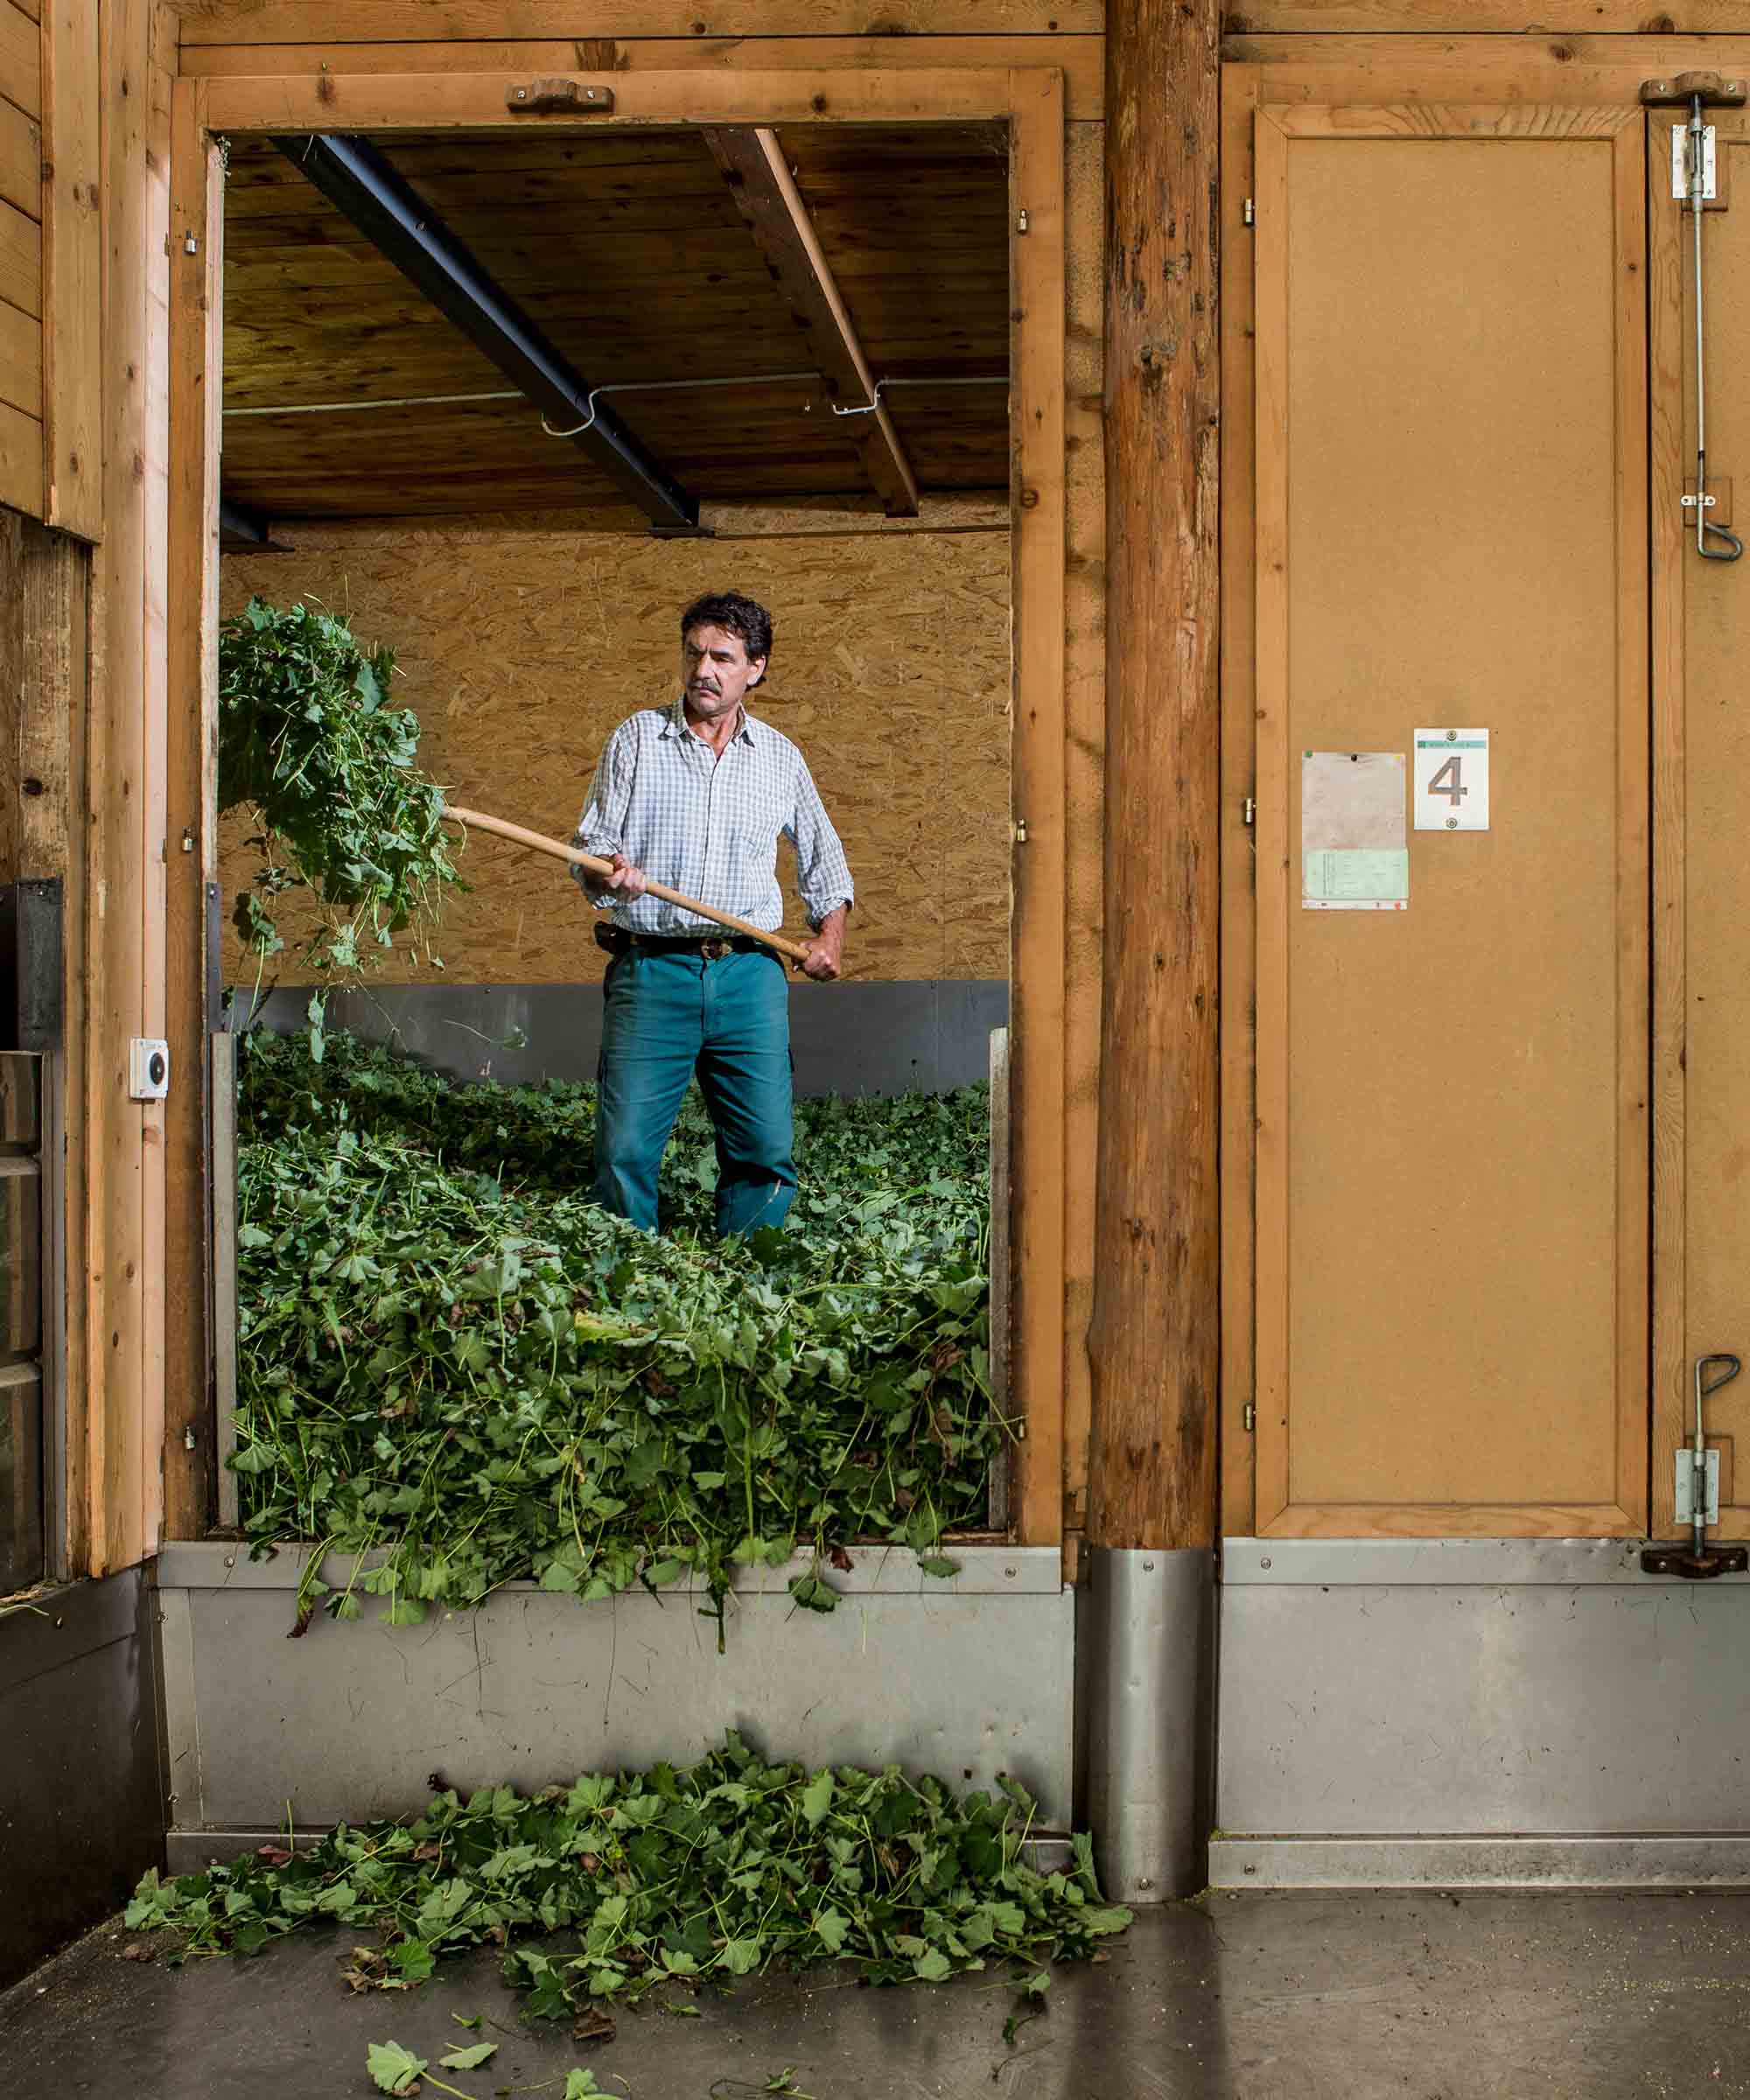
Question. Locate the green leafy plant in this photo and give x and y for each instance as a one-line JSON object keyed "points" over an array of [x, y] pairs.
{"points": [[451, 1360], [668, 1881], [308, 741]]}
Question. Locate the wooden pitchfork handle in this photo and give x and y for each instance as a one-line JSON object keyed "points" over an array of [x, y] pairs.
{"points": [[537, 842]]}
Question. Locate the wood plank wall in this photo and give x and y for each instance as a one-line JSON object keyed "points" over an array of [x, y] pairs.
{"points": [[22, 479], [51, 251], [519, 652]]}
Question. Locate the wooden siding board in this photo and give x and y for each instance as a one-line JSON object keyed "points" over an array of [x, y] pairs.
{"points": [[21, 161], [21, 362], [21, 460], [21, 58], [73, 267], [21, 262]]}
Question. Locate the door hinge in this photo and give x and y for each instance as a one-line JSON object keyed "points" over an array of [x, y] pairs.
{"points": [[1682, 169], [1250, 1415], [1249, 212], [1249, 810]]}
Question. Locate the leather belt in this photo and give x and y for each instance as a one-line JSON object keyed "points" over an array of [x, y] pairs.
{"points": [[711, 948]]}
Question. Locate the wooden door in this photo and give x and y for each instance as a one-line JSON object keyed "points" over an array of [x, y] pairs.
{"points": [[1451, 1196], [1701, 964]]}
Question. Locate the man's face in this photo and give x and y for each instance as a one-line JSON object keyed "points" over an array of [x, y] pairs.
{"points": [[716, 672]]}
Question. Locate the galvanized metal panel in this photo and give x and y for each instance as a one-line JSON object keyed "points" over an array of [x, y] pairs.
{"points": [[531, 1688], [924, 1035], [80, 1805], [1431, 1709], [1332, 1563], [1146, 1635], [1706, 1861]]}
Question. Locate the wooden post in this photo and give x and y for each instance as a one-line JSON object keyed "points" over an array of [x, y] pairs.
{"points": [[1154, 1335]]}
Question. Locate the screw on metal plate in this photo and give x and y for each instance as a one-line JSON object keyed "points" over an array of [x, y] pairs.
{"points": [[190, 245], [1020, 830], [1021, 219]]}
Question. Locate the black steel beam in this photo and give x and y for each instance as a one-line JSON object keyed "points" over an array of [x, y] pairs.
{"points": [[242, 530], [356, 178]]}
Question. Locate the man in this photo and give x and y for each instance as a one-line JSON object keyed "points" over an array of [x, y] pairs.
{"points": [[696, 795]]}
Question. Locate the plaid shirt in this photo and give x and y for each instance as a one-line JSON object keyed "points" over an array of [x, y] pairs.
{"points": [[708, 826]]}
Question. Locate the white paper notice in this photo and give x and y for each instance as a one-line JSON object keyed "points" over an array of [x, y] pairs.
{"points": [[1452, 779], [1354, 853]]}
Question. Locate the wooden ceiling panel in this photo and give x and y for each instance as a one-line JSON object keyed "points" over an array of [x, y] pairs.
{"points": [[628, 252]]}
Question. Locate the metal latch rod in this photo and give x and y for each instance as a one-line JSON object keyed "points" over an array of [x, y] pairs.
{"points": [[1700, 89], [1701, 1560], [1732, 546]]}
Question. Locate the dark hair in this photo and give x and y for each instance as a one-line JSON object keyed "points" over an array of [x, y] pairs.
{"points": [[736, 614]]}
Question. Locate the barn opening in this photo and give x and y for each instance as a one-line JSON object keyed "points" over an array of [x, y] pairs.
{"points": [[783, 364]]}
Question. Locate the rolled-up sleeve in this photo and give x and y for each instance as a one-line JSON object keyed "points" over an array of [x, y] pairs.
{"points": [[822, 873], [601, 829]]}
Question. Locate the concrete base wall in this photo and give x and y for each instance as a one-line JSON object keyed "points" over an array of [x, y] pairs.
{"points": [[920, 1036], [81, 1799]]}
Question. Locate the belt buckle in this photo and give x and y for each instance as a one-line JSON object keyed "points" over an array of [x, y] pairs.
{"points": [[714, 951]]}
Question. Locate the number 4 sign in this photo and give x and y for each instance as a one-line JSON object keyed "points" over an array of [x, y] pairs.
{"points": [[1450, 782]]}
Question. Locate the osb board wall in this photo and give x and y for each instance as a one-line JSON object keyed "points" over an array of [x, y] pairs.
{"points": [[520, 652]]}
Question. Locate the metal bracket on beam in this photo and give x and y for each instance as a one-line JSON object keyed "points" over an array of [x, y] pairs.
{"points": [[558, 97], [358, 182]]}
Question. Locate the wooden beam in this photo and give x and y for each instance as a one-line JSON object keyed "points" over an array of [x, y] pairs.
{"points": [[196, 308], [766, 193], [323, 22], [125, 1148], [1478, 17], [1037, 855], [1153, 1340], [1080, 58], [475, 101]]}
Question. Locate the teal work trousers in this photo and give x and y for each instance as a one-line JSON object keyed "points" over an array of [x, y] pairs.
{"points": [[666, 1016]]}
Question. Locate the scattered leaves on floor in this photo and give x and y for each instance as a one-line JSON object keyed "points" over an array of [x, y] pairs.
{"points": [[700, 1875]]}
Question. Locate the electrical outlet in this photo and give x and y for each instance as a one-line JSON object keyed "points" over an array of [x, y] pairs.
{"points": [[148, 1068]]}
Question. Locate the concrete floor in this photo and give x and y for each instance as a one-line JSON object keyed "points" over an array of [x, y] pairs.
{"points": [[1266, 1997]]}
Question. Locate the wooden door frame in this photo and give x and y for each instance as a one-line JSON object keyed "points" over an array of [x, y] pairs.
{"points": [[1255, 1500], [1031, 102]]}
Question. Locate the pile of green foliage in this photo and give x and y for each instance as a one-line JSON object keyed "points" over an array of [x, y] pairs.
{"points": [[447, 1353], [307, 741], [668, 1878]]}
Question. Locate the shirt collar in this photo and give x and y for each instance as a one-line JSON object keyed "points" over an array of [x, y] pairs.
{"points": [[676, 724]]}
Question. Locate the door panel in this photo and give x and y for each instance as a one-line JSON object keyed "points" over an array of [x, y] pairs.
{"points": [[1452, 1194], [1701, 790]]}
